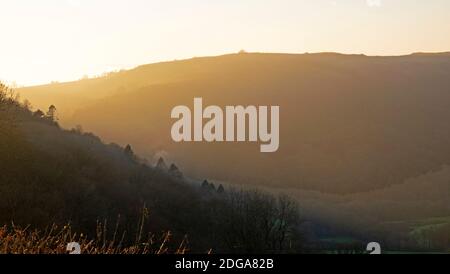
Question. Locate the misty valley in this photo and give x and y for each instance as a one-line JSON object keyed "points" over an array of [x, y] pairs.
{"points": [[163, 158]]}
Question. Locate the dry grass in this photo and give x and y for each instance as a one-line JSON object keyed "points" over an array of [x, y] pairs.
{"points": [[54, 240], [15, 240]]}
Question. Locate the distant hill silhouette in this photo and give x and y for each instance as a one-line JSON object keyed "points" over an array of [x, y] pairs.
{"points": [[349, 123]]}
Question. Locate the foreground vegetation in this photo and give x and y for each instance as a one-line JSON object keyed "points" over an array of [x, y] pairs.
{"points": [[55, 240]]}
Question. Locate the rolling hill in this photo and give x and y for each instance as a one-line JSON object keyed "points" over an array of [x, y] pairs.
{"points": [[348, 123]]}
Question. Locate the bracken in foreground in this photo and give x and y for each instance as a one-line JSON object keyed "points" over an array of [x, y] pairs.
{"points": [[16, 240]]}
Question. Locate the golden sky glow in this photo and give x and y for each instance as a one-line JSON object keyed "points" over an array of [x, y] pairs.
{"points": [[61, 40]]}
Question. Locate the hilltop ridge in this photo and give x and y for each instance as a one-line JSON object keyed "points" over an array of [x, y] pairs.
{"points": [[349, 123]]}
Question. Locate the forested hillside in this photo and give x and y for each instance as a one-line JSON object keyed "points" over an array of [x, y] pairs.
{"points": [[49, 175]]}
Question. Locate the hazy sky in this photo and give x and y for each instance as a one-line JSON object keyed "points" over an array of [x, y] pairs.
{"points": [[63, 40]]}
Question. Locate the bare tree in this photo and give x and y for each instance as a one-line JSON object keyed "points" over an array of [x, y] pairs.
{"points": [[255, 221]]}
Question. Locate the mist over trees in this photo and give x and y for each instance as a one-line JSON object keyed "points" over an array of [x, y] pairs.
{"points": [[365, 147], [349, 123], [50, 175]]}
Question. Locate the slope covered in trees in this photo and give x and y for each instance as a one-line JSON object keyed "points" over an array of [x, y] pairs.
{"points": [[49, 175]]}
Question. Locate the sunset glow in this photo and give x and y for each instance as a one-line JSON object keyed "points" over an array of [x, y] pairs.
{"points": [[61, 40]]}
